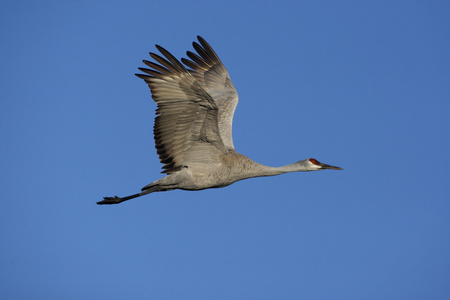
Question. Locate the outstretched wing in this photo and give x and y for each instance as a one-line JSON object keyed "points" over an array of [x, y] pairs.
{"points": [[186, 128], [213, 77]]}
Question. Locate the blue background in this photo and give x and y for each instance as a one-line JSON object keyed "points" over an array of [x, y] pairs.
{"points": [[363, 85]]}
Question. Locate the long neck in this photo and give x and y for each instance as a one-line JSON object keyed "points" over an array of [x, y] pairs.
{"points": [[243, 167], [300, 166]]}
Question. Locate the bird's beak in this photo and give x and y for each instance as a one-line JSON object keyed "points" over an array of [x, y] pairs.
{"points": [[325, 166]]}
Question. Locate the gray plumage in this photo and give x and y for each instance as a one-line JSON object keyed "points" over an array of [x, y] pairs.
{"points": [[193, 126]]}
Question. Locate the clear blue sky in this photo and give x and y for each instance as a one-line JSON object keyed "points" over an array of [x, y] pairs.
{"points": [[364, 85]]}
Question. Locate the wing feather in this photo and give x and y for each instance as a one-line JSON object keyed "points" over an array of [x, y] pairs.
{"points": [[186, 126], [209, 71]]}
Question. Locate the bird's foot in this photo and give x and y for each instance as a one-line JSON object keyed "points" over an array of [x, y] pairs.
{"points": [[110, 200]]}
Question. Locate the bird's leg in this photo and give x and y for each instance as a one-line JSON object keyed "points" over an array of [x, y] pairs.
{"points": [[167, 183], [146, 190], [116, 200]]}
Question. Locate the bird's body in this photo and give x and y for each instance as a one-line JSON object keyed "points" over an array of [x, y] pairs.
{"points": [[230, 168], [192, 129]]}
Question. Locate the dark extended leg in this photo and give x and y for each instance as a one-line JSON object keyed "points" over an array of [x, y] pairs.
{"points": [[116, 200]]}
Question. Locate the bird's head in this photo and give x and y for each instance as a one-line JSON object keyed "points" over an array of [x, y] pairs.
{"points": [[315, 165]]}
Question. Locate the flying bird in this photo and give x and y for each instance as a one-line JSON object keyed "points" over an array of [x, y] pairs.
{"points": [[196, 103]]}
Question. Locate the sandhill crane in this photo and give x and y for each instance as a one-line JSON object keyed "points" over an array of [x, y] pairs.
{"points": [[193, 125]]}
